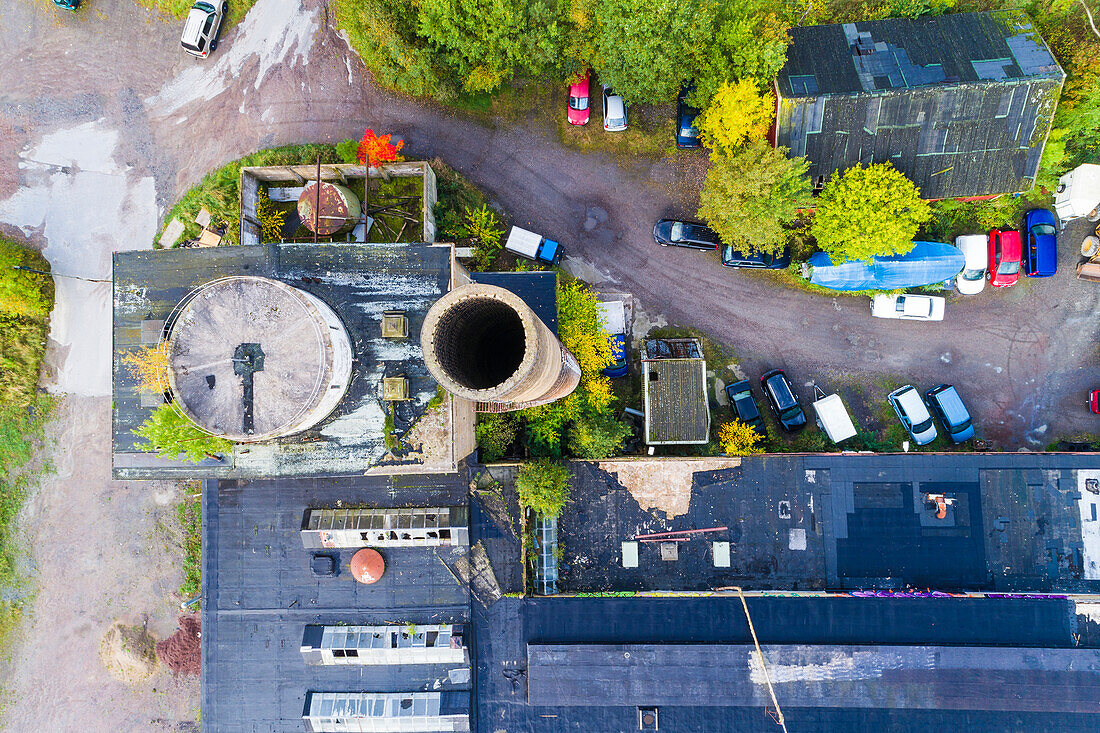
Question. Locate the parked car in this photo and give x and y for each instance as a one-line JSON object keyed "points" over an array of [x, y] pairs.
{"points": [[1094, 402], [975, 249], [1041, 252], [908, 307], [690, 234], [744, 406], [614, 111], [736, 258], [67, 4], [200, 30], [579, 101], [913, 414], [777, 388], [687, 134], [1004, 257], [948, 406]]}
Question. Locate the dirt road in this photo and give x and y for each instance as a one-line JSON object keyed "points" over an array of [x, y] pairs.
{"points": [[1022, 357]]}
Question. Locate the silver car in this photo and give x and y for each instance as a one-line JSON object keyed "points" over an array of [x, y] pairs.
{"points": [[913, 413], [200, 30], [614, 111]]}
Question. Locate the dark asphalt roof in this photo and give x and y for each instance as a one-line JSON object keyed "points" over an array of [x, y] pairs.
{"points": [[259, 595], [359, 282], [880, 676], [1014, 526], [539, 290], [506, 628], [960, 103]]}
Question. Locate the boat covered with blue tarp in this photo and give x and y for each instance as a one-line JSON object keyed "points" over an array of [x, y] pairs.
{"points": [[926, 263]]}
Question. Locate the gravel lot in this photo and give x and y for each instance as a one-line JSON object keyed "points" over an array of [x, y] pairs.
{"points": [[150, 122]]}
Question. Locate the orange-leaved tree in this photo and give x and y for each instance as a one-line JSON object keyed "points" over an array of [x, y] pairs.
{"points": [[377, 150]]}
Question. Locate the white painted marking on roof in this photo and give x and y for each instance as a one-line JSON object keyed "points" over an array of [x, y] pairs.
{"points": [[1088, 505]]}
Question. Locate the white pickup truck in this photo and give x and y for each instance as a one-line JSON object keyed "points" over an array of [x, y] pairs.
{"points": [[533, 246]]}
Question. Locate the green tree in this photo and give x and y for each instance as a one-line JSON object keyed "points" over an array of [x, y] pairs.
{"points": [[384, 34], [644, 48], [581, 331], [749, 42], [739, 439], [593, 437], [174, 436], [737, 114], [870, 211], [543, 486], [495, 434], [22, 293], [485, 41], [749, 196]]}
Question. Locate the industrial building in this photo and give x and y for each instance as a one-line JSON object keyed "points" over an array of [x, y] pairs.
{"points": [[960, 103], [869, 609]]}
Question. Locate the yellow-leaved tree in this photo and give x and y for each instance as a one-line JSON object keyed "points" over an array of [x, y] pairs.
{"points": [[739, 439], [739, 113]]}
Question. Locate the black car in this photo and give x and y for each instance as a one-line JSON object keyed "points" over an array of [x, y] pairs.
{"points": [[744, 406], [734, 258], [687, 135], [689, 234], [780, 395]]}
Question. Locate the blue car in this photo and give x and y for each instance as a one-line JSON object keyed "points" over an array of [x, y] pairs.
{"points": [[1040, 252], [687, 135]]}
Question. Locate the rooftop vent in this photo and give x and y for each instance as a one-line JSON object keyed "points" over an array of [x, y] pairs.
{"points": [[395, 389], [395, 325]]}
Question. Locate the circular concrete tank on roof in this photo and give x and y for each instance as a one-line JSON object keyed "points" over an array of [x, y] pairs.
{"points": [[252, 359], [367, 566]]}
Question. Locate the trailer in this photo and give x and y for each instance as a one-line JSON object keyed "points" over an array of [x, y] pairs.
{"points": [[533, 246], [832, 416]]}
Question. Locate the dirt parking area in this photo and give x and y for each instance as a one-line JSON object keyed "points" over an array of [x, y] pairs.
{"points": [[102, 551]]}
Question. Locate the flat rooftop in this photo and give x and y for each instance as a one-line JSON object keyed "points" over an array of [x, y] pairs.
{"points": [[1018, 523], [359, 283], [259, 595], [814, 633]]}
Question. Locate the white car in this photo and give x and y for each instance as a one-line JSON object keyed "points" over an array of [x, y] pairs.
{"points": [[200, 30], [908, 307], [614, 111], [975, 248], [913, 413]]}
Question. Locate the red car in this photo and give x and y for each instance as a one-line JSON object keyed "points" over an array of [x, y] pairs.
{"points": [[1094, 401], [1004, 257], [578, 100]]}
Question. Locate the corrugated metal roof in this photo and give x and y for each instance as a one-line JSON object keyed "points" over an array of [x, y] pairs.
{"points": [[676, 406], [960, 103]]}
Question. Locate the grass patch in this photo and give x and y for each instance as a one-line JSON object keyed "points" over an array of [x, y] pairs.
{"points": [[178, 9], [219, 191], [951, 218], [189, 514]]}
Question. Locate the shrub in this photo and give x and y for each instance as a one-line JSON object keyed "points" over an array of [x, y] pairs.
{"points": [[543, 486], [496, 434], [739, 439], [174, 437]]}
